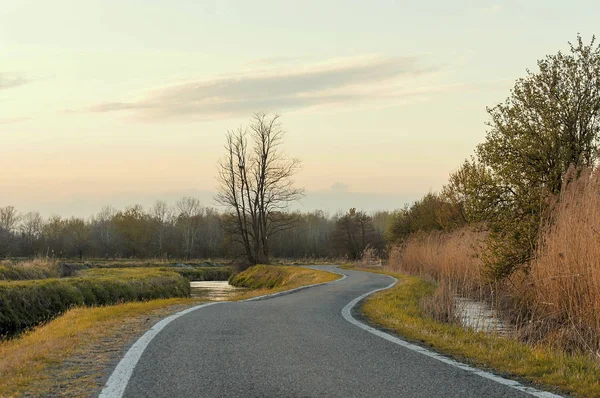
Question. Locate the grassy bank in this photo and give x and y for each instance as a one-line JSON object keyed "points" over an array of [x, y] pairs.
{"points": [[26, 270], [266, 279], [71, 354], [399, 309], [24, 304], [190, 273]]}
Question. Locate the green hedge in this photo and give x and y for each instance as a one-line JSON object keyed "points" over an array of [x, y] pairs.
{"points": [[24, 304], [16, 272]]}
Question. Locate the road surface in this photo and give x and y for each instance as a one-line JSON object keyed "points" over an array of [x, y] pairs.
{"points": [[294, 345]]}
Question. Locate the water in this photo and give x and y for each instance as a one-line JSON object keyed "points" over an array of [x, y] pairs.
{"points": [[214, 290], [479, 316]]}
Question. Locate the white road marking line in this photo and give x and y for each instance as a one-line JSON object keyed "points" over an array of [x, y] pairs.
{"points": [[116, 384], [347, 314], [118, 380]]}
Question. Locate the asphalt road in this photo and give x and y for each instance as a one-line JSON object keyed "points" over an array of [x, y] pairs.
{"points": [[296, 345]]}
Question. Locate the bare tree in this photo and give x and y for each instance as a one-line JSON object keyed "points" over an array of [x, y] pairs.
{"points": [[161, 215], [31, 231], [190, 212], [257, 185], [354, 232], [78, 233], [104, 231], [9, 217]]}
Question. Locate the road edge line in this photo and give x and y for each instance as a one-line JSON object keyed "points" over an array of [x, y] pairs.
{"points": [[347, 315], [120, 376]]}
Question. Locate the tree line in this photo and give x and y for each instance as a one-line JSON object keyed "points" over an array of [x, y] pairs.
{"points": [[183, 231]]}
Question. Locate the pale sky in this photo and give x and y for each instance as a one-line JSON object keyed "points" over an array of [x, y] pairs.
{"points": [[128, 101]]}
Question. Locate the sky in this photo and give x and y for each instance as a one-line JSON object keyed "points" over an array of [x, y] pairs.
{"points": [[116, 102]]}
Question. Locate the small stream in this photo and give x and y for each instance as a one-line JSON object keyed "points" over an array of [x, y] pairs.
{"points": [[214, 290], [480, 316]]}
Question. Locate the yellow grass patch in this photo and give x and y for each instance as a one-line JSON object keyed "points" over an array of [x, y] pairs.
{"points": [[31, 364], [398, 309], [269, 279]]}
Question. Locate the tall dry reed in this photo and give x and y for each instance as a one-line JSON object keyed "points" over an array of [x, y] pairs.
{"points": [[448, 258], [562, 290], [442, 256]]}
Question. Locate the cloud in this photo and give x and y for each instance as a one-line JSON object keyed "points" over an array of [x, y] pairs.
{"points": [[334, 82], [7, 81]]}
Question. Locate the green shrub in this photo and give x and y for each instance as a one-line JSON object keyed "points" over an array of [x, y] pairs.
{"points": [[24, 304], [17, 272]]}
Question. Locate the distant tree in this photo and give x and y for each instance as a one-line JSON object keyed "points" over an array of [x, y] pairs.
{"points": [[433, 212], [133, 228], [189, 218], [31, 232], [103, 231], [54, 236], [78, 236], [353, 232], [161, 217], [257, 185], [9, 218]]}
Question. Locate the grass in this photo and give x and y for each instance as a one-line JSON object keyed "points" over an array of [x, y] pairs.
{"points": [[26, 270], [267, 279], [33, 364], [24, 304], [399, 310], [562, 290], [189, 273], [72, 354], [151, 262]]}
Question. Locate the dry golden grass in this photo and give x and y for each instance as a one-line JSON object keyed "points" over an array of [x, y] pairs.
{"points": [[399, 309], [562, 291], [281, 278], [442, 256], [33, 364]]}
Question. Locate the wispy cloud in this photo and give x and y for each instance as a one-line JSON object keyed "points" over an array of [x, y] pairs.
{"points": [[10, 81], [334, 82]]}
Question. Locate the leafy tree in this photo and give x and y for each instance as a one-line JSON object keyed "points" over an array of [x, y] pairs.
{"points": [[433, 212], [550, 121]]}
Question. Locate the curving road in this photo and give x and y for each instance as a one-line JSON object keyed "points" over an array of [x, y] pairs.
{"points": [[296, 345]]}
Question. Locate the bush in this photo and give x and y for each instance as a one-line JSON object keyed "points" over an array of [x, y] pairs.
{"points": [[25, 304], [16, 273], [30, 269]]}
